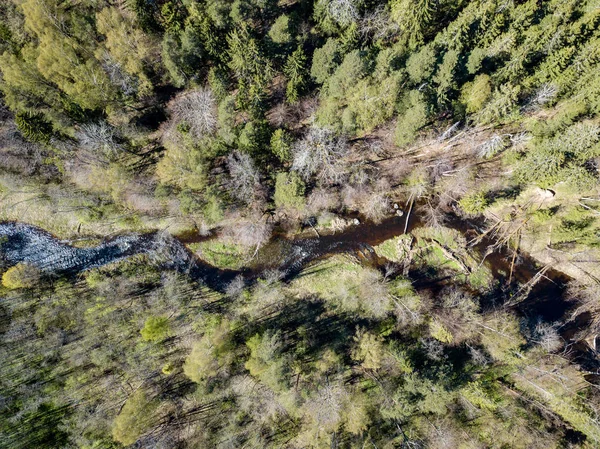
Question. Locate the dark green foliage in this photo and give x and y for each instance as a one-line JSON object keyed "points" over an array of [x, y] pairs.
{"points": [[325, 60], [303, 97], [297, 75], [251, 68], [34, 126], [182, 53]]}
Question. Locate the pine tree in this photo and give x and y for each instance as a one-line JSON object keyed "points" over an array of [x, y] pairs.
{"points": [[296, 73]]}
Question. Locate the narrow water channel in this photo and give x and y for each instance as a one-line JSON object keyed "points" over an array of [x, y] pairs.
{"points": [[20, 242]]}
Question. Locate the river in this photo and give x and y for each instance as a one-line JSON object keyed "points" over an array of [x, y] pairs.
{"points": [[547, 300]]}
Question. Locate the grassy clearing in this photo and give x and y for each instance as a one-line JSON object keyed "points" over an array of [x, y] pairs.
{"points": [[222, 254]]}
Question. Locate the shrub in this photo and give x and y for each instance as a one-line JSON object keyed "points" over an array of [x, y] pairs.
{"points": [[21, 276], [289, 190], [156, 329], [474, 203]]}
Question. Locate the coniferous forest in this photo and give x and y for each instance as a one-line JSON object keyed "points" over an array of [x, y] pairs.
{"points": [[289, 224]]}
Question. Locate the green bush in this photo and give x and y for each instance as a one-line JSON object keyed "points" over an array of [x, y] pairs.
{"points": [[474, 203], [156, 329], [21, 276], [289, 190]]}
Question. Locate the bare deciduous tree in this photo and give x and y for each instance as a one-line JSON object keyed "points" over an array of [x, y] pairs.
{"points": [[378, 24], [235, 287], [244, 177], [343, 12], [119, 77], [491, 147], [100, 139], [547, 336], [253, 231], [321, 153], [546, 93], [322, 200], [197, 109]]}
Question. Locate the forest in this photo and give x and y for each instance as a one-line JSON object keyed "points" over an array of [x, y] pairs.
{"points": [[336, 224]]}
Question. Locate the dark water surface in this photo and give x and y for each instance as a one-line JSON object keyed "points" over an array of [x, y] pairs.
{"points": [[20, 242]]}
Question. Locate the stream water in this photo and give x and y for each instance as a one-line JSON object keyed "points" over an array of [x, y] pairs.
{"points": [[20, 242]]}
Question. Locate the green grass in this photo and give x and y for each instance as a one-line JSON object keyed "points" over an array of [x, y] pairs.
{"points": [[222, 254]]}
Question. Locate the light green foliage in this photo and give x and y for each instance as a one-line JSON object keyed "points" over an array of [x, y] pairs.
{"points": [[363, 102], [223, 254], [369, 350], [372, 102], [281, 144], [346, 75], [394, 249], [445, 75], [156, 329], [410, 345], [501, 104], [561, 158], [266, 361], [211, 354], [439, 332], [501, 338], [22, 84], [289, 190], [415, 116], [280, 31], [20, 276], [218, 83], [127, 45], [348, 285], [477, 395], [136, 417], [184, 164], [421, 65], [475, 94], [413, 16], [474, 203]]}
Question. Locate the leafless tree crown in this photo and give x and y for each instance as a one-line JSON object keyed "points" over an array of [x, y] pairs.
{"points": [[321, 153], [343, 12], [244, 177], [197, 109]]}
